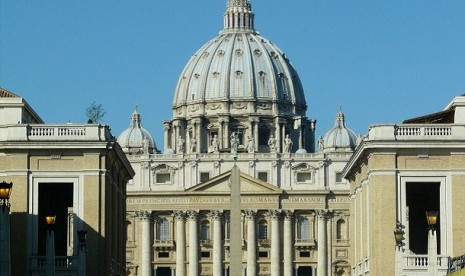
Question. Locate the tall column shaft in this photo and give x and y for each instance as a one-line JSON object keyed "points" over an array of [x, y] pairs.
{"points": [[275, 244], [180, 244], [235, 254], [146, 245], [217, 242], [321, 268], [251, 244], [193, 244], [278, 136], [287, 244]]}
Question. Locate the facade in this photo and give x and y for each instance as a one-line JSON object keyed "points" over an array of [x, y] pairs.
{"points": [[397, 174], [238, 102], [77, 172]]}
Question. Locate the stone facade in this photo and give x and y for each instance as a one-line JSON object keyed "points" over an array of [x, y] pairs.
{"points": [[77, 172], [397, 174]]}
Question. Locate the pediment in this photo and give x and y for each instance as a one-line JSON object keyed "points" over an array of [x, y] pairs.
{"points": [[221, 185]]}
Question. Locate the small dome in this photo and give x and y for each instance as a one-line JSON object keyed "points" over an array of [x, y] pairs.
{"points": [[135, 139], [340, 137]]}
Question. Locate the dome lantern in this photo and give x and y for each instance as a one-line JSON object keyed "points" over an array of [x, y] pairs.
{"points": [[239, 15]]}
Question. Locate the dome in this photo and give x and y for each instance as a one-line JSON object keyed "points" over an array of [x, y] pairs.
{"points": [[340, 137], [135, 139], [238, 71]]}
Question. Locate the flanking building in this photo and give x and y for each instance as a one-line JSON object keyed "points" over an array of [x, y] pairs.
{"points": [[398, 174], [76, 172]]}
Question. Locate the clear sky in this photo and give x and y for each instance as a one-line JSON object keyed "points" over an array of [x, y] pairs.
{"points": [[382, 61]]}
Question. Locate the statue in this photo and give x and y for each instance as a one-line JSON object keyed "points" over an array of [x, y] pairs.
{"points": [[272, 143], [287, 144], [321, 144], [180, 145], [193, 145], [251, 145], [145, 145], [214, 145], [234, 142]]}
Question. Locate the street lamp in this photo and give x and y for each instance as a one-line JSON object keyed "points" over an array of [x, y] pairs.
{"points": [[432, 218], [5, 253], [50, 244], [399, 234]]}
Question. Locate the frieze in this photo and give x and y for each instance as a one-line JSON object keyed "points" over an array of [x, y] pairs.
{"points": [[199, 200]]}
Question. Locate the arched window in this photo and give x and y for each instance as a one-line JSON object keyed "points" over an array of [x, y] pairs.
{"points": [[163, 232], [341, 230], [205, 230], [304, 229], [262, 230]]}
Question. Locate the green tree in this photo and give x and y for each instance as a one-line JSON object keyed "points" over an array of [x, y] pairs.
{"points": [[94, 113]]}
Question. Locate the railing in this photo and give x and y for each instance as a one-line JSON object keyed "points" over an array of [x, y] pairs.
{"points": [[163, 243], [417, 132], [55, 132], [64, 263], [418, 264], [264, 242], [206, 243]]}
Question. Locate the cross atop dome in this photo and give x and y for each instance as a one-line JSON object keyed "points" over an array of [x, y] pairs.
{"points": [[239, 15]]}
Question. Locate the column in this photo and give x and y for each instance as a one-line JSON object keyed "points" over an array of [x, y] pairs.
{"points": [[287, 243], [251, 243], [255, 133], [226, 134], [198, 129], [221, 135], [193, 244], [145, 243], [283, 136], [321, 268], [217, 242], [180, 244], [166, 129], [275, 243], [278, 135]]}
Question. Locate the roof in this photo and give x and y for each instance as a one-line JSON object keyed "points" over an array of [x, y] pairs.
{"points": [[7, 94], [442, 117]]}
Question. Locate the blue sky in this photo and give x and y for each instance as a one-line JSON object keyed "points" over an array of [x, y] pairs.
{"points": [[382, 61]]}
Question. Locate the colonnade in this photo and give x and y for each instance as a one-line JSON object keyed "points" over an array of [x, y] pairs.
{"points": [[191, 218]]}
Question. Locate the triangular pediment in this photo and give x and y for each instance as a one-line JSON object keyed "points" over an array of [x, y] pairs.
{"points": [[221, 185]]}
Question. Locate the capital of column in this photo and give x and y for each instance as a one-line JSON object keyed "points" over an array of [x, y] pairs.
{"points": [[288, 214], [250, 214], [325, 213], [192, 215], [216, 214], [274, 214], [179, 215], [144, 215]]}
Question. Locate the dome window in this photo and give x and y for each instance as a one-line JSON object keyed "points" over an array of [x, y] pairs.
{"points": [[205, 54], [257, 52], [272, 54], [216, 74], [196, 76], [220, 53], [239, 52], [238, 74]]}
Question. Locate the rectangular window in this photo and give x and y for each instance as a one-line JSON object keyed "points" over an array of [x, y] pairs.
{"points": [[163, 254], [304, 177], [205, 254], [263, 176], [163, 178], [304, 254], [339, 178], [204, 176], [263, 254]]}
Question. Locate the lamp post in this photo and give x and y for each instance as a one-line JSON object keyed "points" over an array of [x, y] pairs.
{"points": [[432, 219], [399, 238], [50, 245], [82, 234], [5, 254]]}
